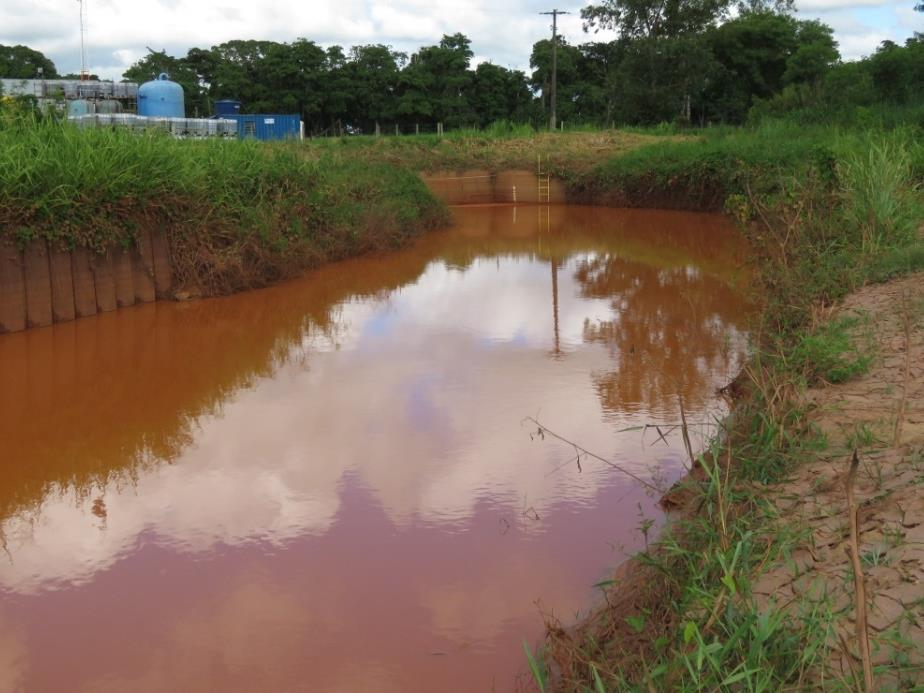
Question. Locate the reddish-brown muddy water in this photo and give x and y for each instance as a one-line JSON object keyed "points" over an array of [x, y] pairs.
{"points": [[328, 485]]}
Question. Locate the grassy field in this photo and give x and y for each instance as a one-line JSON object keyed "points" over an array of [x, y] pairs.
{"points": [[243, 214], [497, 149]]}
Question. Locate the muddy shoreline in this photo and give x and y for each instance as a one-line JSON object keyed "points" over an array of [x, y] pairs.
{"points": [[880, 416]]}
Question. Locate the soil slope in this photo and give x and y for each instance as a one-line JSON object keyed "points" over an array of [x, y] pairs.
{"points": [[881, 414]]}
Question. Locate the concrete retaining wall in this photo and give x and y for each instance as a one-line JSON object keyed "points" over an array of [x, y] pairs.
{"points": [[41, 285], [484, 187]]}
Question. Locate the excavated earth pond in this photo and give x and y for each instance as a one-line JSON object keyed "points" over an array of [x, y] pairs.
{"points": [[328, 484]]}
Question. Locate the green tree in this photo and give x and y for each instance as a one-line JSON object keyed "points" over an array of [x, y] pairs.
{"points": [[374, 72], [898, 71], [21, 62], [655, 18], [596, 93], [665, 18], [499, 94], [434, 85], [294, 76], [816, 51], [239, 74], [664, 80], [337, 90], [760, 54]]}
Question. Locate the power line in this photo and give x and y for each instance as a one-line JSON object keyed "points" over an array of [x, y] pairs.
{"points": [[553, 90]]}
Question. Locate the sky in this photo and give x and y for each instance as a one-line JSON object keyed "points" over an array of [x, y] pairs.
{"points": [[120, 31]]}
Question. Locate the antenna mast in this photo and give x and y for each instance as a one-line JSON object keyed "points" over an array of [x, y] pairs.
{"points": [[84, 74]]}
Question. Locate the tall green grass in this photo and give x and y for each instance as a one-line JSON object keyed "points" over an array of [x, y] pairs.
{"points": [[705, 169], [876, 193], [233, 200]]}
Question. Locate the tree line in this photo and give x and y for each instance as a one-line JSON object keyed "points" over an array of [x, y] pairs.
{"points": [[692, 62]]}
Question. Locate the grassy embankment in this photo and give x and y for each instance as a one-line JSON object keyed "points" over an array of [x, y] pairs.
{"points": [[498, 148], [244, 214], [825, 212], [238, 214]]}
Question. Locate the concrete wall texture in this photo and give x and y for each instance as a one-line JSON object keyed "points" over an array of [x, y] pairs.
{"points": [[484, 187], [41, 285]]}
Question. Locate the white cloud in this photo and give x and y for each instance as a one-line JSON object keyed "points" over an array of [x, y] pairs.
{"points": [[270, 466], [814, 5], [861, 45], [861, 25], [119, 32]]}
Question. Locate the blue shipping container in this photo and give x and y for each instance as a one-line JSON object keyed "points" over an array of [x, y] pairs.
{"points": [[268, 126]]}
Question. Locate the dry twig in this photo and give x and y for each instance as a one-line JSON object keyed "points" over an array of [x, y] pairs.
{"points": [[902, 403], [584, 451], [859, 586]]}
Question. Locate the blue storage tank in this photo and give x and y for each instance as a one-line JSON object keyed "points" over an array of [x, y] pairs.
{"points": [[227, 107], [79, 107], [161, 98], [108, 106]]}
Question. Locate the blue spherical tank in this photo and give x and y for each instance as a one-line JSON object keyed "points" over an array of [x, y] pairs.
{"points": [[161, 98]]}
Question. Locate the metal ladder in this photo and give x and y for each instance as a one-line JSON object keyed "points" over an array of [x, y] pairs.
{"points": [[544, 179], [544, 219]]}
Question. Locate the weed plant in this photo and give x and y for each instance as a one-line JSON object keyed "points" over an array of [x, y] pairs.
{"points": [[831, 353]]}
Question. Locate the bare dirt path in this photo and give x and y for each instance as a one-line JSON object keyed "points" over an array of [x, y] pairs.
{"points": [[881, 415]]}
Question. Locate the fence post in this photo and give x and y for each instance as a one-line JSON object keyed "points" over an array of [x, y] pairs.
{"points": [[397, 131], [416, 128], [378, 130]]}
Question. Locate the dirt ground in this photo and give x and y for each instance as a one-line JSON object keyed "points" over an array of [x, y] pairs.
{"points": [[881, 415]]}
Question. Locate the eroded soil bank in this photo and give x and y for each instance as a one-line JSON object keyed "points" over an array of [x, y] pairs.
{"points": [[880, 415]]}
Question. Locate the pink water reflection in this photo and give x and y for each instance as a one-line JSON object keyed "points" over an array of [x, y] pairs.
{"points": [[328, 485]]}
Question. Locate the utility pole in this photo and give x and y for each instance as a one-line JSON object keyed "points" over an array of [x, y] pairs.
{"points": [[552, 94]]}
